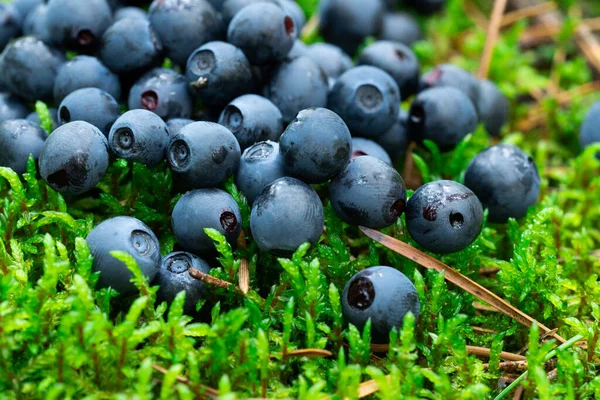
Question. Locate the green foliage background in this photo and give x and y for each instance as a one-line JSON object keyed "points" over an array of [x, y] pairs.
{"points": [[61, 338]]}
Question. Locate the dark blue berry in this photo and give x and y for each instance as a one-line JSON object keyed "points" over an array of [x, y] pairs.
{"points": [[397, 60], [366, 147], [174, 277], [35, 117], [443, 115], [19, 139], [453, 76], [205, 208], [252, 119], [74, 166], [183, 26], [263, 31], [395, 141], [218, 72], [82, 72], [140, 136], [36, 23], [286, 214], [128, 235], [28, 68], [130, 13], [332, 59], [316, 145], [130, 46], [11, 107], [444, 216], [297, 84], [400, 27], [382, 294], [164, 92], [92, 105], [11, 21], [260, 165], [505, 180], [368, 192], [203, 154], [367, 98], [493, 107], [175, 125]]}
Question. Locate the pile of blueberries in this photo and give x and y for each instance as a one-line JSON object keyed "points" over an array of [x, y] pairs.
{"points": [[246, 98]]}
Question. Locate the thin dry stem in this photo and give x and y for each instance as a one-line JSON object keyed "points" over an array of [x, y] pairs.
{"points": [[492, 36]]}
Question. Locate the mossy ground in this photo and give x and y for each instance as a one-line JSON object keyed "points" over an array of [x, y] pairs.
{"points": [[61, 338]]}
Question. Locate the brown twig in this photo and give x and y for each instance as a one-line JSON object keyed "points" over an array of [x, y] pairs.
{"points": [[199, 389], [492, 36], [410, 174], [528, 12], [485, 352], [211, 280], [519, 392], [482, 330], [244, 276], [456, 278], [309, 353]]}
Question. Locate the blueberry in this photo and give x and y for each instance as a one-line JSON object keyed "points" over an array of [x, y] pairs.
{"points": [[82, 72], [297, 84], [175, 124], [11, 107], [332, 60], [367, 98], [400, 27], [395, 141], [11, 21], [368, 192], [19, 139], [505, 180], [426, 6], [35, 23], [453, 76], [263, 31], [130, 46], [91, 105], [444, 216], [173, 277], [397, 60], [183, 26], [35, 118], [382, 294], [203, 154], [131, 236], [74, 158], [205, 208], [286, 214], [164, 92], [316, 145], [291, 8], [130, 13], [589, 132], [29, 67], [493, 107], [26, 6], [299, 49], [366, 147], [76, 24], [218, 72], [260, 165], [443, 115], [252, 119], [232, 7], [140, 136], [346, 23]]}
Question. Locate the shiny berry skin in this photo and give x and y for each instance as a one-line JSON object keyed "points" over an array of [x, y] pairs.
{"points": [[332, 59], [505, 180], [218, 72], [205, 208], [444, 216], [252, 119], [316, 145], [366, 147], [70, 166], [140, 136], [444, 115], [131, 236], [453, 76], [286, 214], [260, 165], [19, 139], [174, 277], [203, 154], [368, 192], [382, 294], [91, 105], [263, 31], [367, 98]]}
